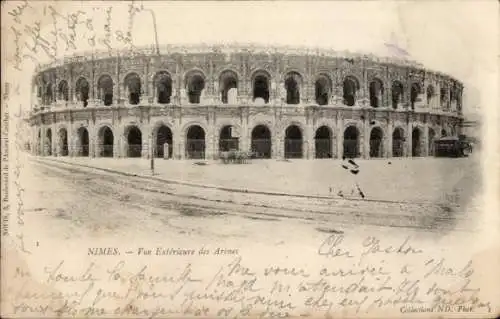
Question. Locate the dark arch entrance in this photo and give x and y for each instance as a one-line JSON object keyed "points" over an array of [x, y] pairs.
{"points": [[292, 85], [83, 136], [414, 92], [293, 142], [106, 142], [416, 146], [134, 139], [195, 82], [261, 141], [195, 142], [63, 142], [261, 87], [432, 137], [376, 142], [351, 142], [163, 85], [105, 87], [49, 98], [376, 92], [49, 142], [63, 91], [323, 87], [323, 142], [397, 92], [227, 140], [228, 83], [133, 86], [349, 88], [397, 142], [82, 91], [164, 135]]}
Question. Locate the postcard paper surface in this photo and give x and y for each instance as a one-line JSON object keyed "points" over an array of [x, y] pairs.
{"points": [[250, 159]]}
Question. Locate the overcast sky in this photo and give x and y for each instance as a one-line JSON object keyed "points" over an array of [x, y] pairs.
{"points": [[456, 37]]}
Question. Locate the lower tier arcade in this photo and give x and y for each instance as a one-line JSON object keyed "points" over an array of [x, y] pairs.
{"points": [[203, 132]]}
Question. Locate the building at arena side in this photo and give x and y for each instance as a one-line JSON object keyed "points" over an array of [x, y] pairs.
{"points": [[194, 102]]}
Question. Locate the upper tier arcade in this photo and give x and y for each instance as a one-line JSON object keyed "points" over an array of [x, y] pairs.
{"points": [[243, 75]]}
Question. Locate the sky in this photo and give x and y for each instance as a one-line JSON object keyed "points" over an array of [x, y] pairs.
{"points": [[459, 38]]}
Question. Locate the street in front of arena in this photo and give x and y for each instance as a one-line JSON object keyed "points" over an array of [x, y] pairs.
{"points": [[75, 203]]}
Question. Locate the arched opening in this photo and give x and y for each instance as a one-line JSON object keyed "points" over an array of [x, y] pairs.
{"points": [[195, 82], [376, 93], [443, 133], [430, 94], [351, 142], [397, 142], [416, 145], [63, 91], [459, 100], [82, 91], [292, 86], [195, 142], [376, 142], [83, 141], [261, 86], [105, 88], [228, 140], [323, 88], [414, 92], [261, 141], [134, 140], [163, 85], [443, 96], [323, 142], [63, 142], [397, 93], [49, 95], [133, 88], [164, 135], [432, 137], [228, 83], [48, 142], [106, 142], [350, 87], [293, 142]]}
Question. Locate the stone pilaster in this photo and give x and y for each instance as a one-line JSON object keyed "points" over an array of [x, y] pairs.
{"points": [[153, 92], [278, 143], [425, 146], [147, 141], [388, 137], [366, 137], [43, 141], [309, 145], [245, 134], [69, 138], [120, 143], [116, 84], [408, 142], [55, 140], [340, 136], [211, 137], [92, 139], [180, 145]]}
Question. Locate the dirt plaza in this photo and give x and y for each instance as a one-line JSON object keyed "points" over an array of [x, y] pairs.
{"points": [[401, 180]]}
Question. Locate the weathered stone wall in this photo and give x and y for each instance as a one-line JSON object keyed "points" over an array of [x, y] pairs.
{"points": [[436, 110]]}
